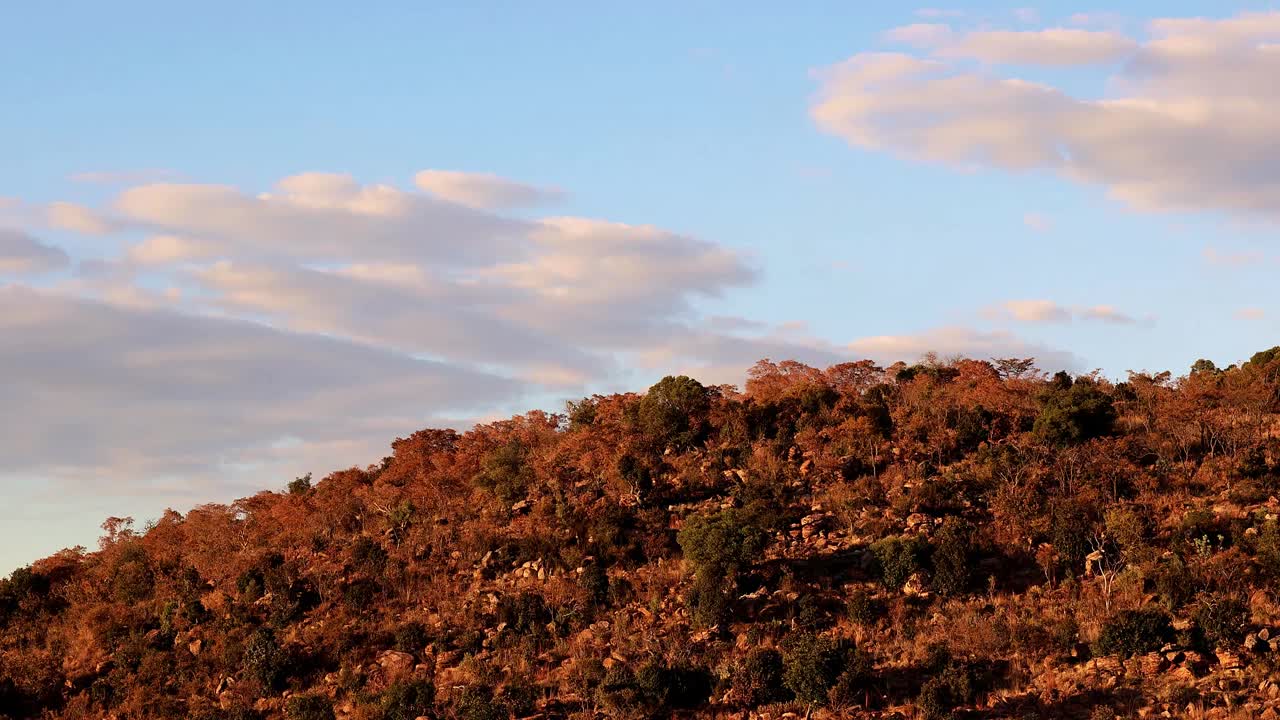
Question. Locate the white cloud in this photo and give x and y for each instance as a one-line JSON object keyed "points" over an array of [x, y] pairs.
{"points": [[483, 190], [78, 218], [969, 342], [1243, 258], [1054, 46], [1049, 312], [110, 391], [1251, 313], [123, 177], [22, 254], [1189, 125]]}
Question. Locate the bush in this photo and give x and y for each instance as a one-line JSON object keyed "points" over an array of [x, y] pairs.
{"points": [[132, 579], [505, 472], [710, 600], [897, 559], [811, 666], [309, 707], [1075, 414], [679, 687], [721, 543], [478, 702], [855, 683], [595, 581], [950, 685], [1174, 583], [953, 557], [411, 637], [1222, 618], [300, 485], [1132, 632], [673, 411], [408, 700], [863, 609], [757, 678], [1070, 530], [264, 660]]}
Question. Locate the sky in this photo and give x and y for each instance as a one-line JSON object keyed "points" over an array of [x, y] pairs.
{"points": [[244, 241]]}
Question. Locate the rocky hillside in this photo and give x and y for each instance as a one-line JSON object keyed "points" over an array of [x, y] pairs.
{"points": [[954, 538]]}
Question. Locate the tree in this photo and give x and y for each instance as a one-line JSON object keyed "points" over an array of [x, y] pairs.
{"points": [[1075, 414], [300, 485], [673, 411]]}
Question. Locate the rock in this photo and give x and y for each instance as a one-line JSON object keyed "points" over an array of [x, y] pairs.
{"points": [[396, 663], [915, 586], [1264, 634], [520, 507], [1228, 660], [1251, 642], [195, 646]]}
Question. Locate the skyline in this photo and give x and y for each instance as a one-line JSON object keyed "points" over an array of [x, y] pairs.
{"points": [[235, 249]]}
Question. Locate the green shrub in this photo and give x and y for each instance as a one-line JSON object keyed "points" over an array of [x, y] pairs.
{"points": [[300, 485], [525, 614], [1222, 618], [264, 660], [953, 557], [897, 559], [673, 411], [949, 686], [1174, 583], [505, 472], [368, 557], [855, 683], [595, 581], [811, 666], [478, 702], [1075, 414], [667, 688], [757, 678], [1070, 530], [1131, 632], [721, 543], [408, 700], [710, 600], [863, 609], [411, 637], [309, 707], [132, 578]]}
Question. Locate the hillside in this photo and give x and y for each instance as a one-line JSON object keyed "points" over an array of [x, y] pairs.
{"points": [[950, 539]]}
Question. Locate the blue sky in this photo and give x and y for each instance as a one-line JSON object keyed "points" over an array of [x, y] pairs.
{"points": [[885, 231]]}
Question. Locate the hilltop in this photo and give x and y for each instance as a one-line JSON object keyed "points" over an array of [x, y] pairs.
{"points": [[956, 538]]}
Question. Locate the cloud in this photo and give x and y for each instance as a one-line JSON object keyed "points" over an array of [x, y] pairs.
{"points": [[78, 218], [1245, 258], [482, 190], [123, 177], [22, 254], [1189, 123], [323, 217], [1049, 312], [112, 391], [956, 340], [1251, 313], [1055, 46]]}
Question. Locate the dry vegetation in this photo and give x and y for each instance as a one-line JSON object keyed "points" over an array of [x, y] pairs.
{"points": [[949, 539]]}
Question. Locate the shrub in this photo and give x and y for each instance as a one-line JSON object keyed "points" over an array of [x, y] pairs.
{"points": [[1075, 414], [1134, 631], [368, 556], [264, 660], [411, 637], [309, 707], [505, 472], [524, 614], [855, 683], [595, 581], [1070, 530], [721, 543], [673, 411], [862, 608], [811, 666], [478, 702], [132, 579], [951, 685], [679, 687], [897, 558], [300, 485], [408, 700], [710, 600], [953, 557], [757, 678], [1222, 618], [1173, 583]]}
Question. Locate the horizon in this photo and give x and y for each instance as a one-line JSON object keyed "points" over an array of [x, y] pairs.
{"points": [[239, 244]]}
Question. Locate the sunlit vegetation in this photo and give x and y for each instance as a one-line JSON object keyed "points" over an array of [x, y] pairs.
{"points": [[955, 538]]}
